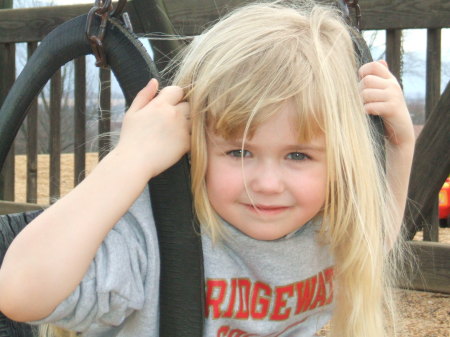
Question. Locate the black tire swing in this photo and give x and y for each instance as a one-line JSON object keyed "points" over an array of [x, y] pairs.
{"points": [[181, 282]]}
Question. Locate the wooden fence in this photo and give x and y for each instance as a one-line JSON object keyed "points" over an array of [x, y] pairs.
{"points": [[188, 18]]}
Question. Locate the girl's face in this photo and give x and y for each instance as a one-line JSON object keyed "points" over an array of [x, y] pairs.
{"points": [[277, 187]]}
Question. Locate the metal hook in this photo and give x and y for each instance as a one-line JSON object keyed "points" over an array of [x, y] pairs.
{"points": [[355, 4]]}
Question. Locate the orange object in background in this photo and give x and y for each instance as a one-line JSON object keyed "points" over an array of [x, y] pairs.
{"points": [[444, 204]]}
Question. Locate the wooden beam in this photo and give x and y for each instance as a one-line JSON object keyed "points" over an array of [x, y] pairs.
{"points": [[32, 139], [433, 83], [429, 268], [6, 3], [432, 92], [80, 120], [7, 71], [9, 207], [431, 164], [394, 52], [404, 14], [55, 136], [33, 24], [7, 78], [189, 17]]}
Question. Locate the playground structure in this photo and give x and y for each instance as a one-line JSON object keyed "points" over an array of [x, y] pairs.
{"points": [[432, 160]]}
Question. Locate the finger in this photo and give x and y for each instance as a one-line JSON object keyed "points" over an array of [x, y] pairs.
{"points": [[373, 82], [171, 94], [375, 68], [376, 108], [373, 95], [145, 95]]}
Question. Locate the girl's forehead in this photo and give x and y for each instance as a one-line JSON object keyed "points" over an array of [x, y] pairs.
{"points": [[282, 124], [282, 117]]}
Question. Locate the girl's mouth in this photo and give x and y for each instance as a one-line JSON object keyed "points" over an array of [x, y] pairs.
{"points": [[266, 209]]}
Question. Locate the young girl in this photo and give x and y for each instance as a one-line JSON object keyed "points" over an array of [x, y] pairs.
{"points": [[297, 215]]}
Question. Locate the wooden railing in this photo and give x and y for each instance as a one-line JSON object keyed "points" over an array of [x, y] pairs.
{"points": [[188, 18], [31, 25]]}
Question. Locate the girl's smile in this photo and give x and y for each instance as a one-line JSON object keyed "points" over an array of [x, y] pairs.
{"points": [[274, 184], [267, 210]]}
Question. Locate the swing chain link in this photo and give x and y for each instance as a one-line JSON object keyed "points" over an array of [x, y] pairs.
{"points": [[104, 9], [355, 4]]}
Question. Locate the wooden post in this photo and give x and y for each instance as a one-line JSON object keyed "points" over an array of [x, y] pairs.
{"points": [[394, 52], [55, 136], [430, 166], [7, 78], [433, 88], [6, 4], [80, 120], [32, 150]]}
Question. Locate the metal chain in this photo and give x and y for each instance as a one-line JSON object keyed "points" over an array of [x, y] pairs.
{"points": [[104, 9], [354, 4]]}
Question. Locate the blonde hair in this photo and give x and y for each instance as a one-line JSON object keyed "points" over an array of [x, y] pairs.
{"points": [[238, 73]]}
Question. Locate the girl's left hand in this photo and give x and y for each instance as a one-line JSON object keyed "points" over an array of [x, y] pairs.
{"points": [[383, 96]]}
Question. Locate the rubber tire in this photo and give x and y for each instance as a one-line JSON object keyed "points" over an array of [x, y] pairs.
{"points": [[126, 56], [180, 246], [128, 60]]}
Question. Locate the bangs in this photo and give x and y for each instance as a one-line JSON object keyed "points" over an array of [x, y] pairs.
{"points": [[247, 94]]}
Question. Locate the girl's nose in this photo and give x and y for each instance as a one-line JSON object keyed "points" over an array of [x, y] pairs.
{"points": [[267, 179]]}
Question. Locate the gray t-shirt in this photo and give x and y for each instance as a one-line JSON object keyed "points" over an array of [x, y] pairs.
{"points": [[253, 288]]}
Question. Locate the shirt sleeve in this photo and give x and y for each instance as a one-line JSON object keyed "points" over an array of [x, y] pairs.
{"points": [[113, 287]]}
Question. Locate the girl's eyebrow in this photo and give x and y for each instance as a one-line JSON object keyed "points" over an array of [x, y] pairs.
{"points": [[312, 147], [248, 143], [228, 142], [291, 147]]}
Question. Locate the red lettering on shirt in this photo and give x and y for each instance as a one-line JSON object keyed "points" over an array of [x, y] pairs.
{"points": [[244, 286], [280, 312], [321, 293], [261, 296], [245, 299], [215, 293], [305, 293], [230, 311], [223, 331]]}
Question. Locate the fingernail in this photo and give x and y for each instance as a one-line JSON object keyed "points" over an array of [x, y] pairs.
{"points": [[383, 62]]}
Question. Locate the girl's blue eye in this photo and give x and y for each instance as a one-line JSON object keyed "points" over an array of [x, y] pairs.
{"points": [[238, 153], [297, 156]]}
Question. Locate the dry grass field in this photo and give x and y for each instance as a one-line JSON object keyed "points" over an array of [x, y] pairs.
{"points": [[67, 175], [423, 314]]}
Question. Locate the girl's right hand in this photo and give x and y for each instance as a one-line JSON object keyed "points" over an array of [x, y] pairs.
{"points": [[155, 130], [154, 136]]}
